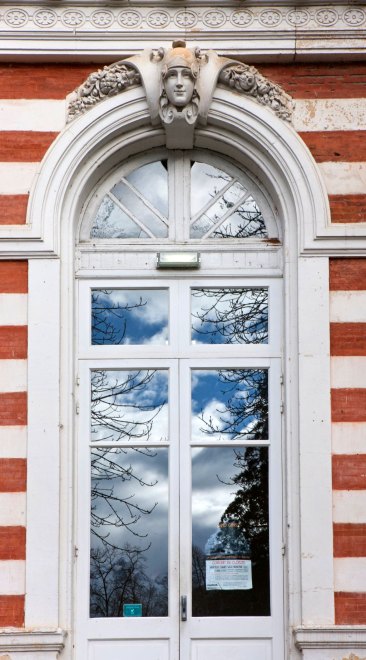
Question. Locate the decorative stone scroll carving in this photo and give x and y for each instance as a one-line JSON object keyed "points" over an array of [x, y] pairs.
{"points": [[102, 84], [247, 80], [179, 84]]}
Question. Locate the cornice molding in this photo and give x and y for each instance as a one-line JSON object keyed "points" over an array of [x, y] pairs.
{"points": [[336, 637], [109, 31], [32, 641]]}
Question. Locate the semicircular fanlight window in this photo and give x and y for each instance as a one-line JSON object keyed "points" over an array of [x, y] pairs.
{"points": [[136, 206], [221, 206]]}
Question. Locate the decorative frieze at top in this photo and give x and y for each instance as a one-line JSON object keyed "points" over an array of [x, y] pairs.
{"points": [[144, 18]]}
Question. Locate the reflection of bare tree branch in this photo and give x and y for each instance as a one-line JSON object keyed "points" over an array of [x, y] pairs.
{"points": [[109, 319], [113, 411], [234, 315], [107, 509], [251, 224], [198, 567], [246, 409], [118, 577]]}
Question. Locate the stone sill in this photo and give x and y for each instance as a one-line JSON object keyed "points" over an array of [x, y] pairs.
{"points": [[336, 637], [39, 640]]}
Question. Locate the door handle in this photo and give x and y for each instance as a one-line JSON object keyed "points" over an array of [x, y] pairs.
{"points": [[183, 608]]}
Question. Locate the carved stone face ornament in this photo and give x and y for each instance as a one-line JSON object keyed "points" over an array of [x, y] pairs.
{"points": [[179, 86]]}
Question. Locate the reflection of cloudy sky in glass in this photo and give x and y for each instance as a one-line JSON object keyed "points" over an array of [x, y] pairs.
{"points": [[244, 221], [151, 184], [137, 492], [212, 470], [152, 181], [130, 316], [206, 182], [229, 315], [211, 397], [129, 405]]}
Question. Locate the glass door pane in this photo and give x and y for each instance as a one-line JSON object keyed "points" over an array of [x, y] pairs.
{"points": [[230, 532]]}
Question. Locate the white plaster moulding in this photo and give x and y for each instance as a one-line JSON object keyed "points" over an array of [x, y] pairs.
{"points": [[32, 640], [272, 47], [118, 127], [257, 31], [337, 637]]}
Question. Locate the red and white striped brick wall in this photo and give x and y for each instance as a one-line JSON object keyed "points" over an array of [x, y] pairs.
{"points": [[330, 117], [13, 430], [348, 380]]}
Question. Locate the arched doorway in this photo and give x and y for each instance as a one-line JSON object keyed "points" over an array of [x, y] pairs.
{"points": [[179, 436], [259, 146]]}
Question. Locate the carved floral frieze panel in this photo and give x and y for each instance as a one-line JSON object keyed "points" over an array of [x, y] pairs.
{"points": [[145, 18]]}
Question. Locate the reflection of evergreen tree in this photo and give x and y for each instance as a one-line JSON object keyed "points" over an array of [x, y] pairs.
{"points": [[249, 508], [243, 529]]}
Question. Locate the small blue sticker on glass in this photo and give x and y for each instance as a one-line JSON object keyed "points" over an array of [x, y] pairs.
{"points": [[132, 609]]}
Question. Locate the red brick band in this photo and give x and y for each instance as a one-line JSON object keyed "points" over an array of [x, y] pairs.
{"points": [[347, 274], [303, 81], [12, 611], [348, 405], [336, 146], [348, 208], [13, 209], [13, 276], [348, 339], [13, 342], [13, 408], [350, 608], [42, 81], [12, 543], [349, 471], [319, 81], [13, 475], [349, 540], [24, 146]]}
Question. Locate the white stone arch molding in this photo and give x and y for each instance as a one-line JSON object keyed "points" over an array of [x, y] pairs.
{"points": [[237, 125], [89, 147]]}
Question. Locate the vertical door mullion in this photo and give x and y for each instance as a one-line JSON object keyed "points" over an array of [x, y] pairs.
{"points": [[186, 481], [177, 194]]}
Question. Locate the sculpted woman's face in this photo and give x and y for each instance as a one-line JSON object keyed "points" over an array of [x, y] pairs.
{"points": [[179, 86]]}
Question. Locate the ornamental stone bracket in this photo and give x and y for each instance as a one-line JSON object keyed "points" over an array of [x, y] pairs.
{"points": [[179, 84]]}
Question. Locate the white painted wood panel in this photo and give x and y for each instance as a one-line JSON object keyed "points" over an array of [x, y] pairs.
{"points": [[348, 306], [32, 115], [12, 508], [13, 441], [133, 649], [349, 438]]}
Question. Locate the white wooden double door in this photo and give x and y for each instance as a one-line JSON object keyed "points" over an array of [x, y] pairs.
{"points": [[179, 496]]}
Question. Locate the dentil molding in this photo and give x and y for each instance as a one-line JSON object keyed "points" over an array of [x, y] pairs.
{"points": [[244, 28]]}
